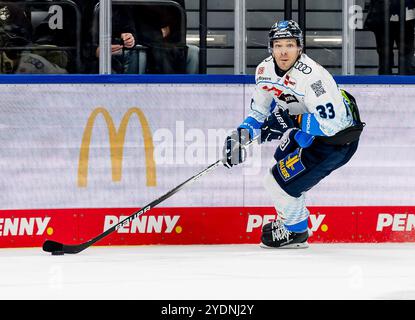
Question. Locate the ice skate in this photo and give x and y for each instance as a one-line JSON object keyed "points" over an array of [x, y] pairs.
{"points": [[279, 237]]}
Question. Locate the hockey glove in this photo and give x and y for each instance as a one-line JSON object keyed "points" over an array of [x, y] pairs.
{"points": [[234, 151], [275, 125]]}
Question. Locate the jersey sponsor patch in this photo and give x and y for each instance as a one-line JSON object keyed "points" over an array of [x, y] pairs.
{"points": [[301, 66], [261, 70], [36, 63], [291, 165], [318, 88], [310, 125], [288, 98]]}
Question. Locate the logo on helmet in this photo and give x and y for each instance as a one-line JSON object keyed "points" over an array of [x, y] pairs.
{"points": [[282, 24], [283, 30]]}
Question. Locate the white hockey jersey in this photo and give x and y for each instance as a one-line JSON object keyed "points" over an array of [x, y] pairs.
{"points": [[307, 89]]}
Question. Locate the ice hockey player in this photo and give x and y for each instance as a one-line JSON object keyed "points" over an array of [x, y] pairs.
{"points": [[297, 102]]}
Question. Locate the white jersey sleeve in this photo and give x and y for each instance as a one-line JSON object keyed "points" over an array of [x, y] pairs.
{"points": [[261, 100], [324, 101], [261, 103]]}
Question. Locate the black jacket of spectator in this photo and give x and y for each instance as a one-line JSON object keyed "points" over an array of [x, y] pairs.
{"points": [[122, 22], [166, 54]]}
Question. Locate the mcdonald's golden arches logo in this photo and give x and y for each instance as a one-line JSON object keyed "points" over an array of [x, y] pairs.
{"points": [[117, 140]]}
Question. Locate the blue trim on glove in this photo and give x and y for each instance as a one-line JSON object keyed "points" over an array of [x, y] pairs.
{"points": [[272, 106], [252, 125]]}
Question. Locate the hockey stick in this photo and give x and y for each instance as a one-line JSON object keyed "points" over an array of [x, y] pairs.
{"points": [[57, 248]]}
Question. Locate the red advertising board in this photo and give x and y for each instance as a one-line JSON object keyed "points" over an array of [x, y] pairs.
{"points": [[200, 225]]}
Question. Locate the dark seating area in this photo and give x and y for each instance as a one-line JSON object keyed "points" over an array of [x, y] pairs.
{"points": [[192, 36], [63, 36]]}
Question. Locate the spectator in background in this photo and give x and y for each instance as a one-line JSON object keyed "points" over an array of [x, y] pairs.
{"points": [[192, 59], [123, 37], [57, 28], [375, 22], [16, 32], [159, 28]]}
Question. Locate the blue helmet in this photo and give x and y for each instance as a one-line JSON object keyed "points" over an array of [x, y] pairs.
{"points": [[285, 29]]}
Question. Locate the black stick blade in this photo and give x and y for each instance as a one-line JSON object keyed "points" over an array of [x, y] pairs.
{"points": [[51, 246]]}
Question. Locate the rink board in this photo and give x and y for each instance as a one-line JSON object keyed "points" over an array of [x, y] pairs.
{"points": [[75, 156], [209, 225]]}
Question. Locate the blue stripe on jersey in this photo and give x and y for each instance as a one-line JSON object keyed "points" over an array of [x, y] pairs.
{"points": [[252, 125], [303, 139], [298, 227], [310, 125]]}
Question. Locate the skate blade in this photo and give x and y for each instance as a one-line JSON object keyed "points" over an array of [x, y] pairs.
{"points": [[303, 245]]}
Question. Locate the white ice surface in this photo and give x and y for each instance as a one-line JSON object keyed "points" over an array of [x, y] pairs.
{"points": [[323, 271]]}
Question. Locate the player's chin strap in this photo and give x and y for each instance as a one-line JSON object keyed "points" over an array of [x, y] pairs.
{"points": [[57, 247]]}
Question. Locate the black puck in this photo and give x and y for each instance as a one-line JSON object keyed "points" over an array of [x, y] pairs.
{"points": [[58, 253]]}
